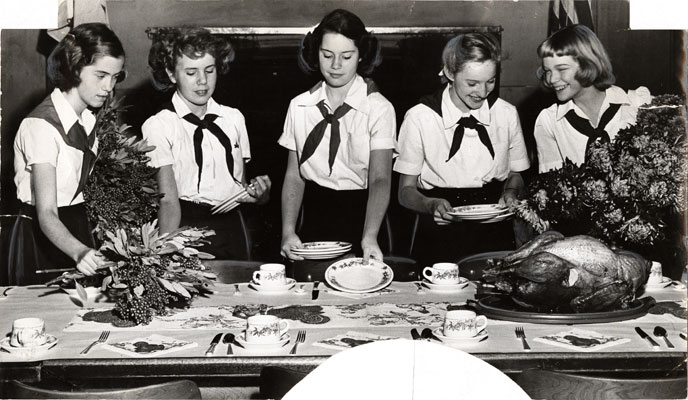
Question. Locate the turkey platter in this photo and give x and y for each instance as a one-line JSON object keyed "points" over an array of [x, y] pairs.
{"points": [[553, 273]]}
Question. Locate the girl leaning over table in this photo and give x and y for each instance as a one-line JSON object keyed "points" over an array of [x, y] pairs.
{"points": [[461, 146], [201, 147], [54, 152], [340, 137], [576, 66]]}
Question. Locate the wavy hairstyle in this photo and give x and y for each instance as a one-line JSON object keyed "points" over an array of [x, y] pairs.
{"points": [[170, 44], [80, 48], [470, 47], [348, 24], [579, 42]]}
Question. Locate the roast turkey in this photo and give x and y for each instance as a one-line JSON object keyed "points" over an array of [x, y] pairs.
{"points": [[553, 273]]}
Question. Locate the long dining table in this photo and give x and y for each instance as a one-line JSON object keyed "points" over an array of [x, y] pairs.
{"points": [[390, 313]]}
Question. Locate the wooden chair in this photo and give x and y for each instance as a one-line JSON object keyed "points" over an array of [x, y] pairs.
{"points": [[275, 382], [542, 384], [183, 389]]}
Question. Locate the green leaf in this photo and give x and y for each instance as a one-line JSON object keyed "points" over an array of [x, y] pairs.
{"points": [[81, 291]]}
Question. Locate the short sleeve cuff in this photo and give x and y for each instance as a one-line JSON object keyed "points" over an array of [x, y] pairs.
{"points": [[519, 165], [382, 143], [407, 168], [286, 142]]}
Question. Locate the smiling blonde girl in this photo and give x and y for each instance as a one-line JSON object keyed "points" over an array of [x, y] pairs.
{"points": [[576, 66]]}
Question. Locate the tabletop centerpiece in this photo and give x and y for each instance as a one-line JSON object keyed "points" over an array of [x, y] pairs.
{"points": [[629, 193], [147, 271]]}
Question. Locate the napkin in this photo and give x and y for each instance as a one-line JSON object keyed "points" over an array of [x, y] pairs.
{"points": [[351, 339], [582, 340], [151, 346]]}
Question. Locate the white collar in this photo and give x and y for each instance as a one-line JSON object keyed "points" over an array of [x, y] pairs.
{"points": [[181, 109], [356, 97], [451, 113], [66, 113], [613, 95]]}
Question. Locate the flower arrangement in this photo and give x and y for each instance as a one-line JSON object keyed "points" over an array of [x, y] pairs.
{"points": [[627, 192], [122, 191], [147, 271]]}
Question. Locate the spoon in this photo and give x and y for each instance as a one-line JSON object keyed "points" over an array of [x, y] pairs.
{"points": [[237, 292], [228, 340], [661, 332]]}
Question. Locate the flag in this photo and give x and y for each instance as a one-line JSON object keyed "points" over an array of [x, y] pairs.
{"points": [[563, 13]]}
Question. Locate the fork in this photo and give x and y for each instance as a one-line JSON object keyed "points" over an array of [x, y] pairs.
{"points": [[103, 337], [300, 338], [521, 334]]}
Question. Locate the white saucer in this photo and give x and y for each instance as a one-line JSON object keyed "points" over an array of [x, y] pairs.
{"points": [[655, 286], [28, 352], [91, 291], [274, 289], [261, 347], [482, 335], [445, 288]]}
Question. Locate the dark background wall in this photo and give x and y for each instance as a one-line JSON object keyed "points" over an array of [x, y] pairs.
{"points": [[649, 58]]}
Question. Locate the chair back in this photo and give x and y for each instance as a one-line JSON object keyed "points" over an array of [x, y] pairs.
{"points": [[275, 382], [542, 384], [183, 389]]}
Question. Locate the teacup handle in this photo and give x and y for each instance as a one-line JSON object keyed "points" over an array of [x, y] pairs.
{"points": [[256, 277], [284, 327], [480, 322], [427, 272]]}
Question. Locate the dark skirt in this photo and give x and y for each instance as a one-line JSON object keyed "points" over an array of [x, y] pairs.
{"points": [[231, 240], [30, 250], [449, 243], [337, 215]]}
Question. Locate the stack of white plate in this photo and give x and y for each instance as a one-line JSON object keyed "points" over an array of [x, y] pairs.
{"points": [[482, 213], [322, 250]]}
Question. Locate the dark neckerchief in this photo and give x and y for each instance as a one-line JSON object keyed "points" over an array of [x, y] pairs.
{"points": [[584, 127], [316, 134], [76, 138], [434, 102], [208, 124]]}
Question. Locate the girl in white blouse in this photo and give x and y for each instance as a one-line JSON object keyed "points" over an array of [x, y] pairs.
{"points": [[461, 146], [576, 66], [340, 137], [54, 152], [201, 147]]}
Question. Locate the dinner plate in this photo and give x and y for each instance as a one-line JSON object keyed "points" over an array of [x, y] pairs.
{"points": [[321, 256], [482, 335], [273, 289], [320, 247], [352, 276], [498, 218], [260, 347], [30, 351], [445, 288], [478, 210]]}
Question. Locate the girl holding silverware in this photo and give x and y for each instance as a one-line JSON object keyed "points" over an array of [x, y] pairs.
{"points": [[54, 152], [340, 137], [461, 146], [201, 147]]}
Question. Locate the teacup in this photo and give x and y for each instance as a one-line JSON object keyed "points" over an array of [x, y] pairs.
{"points": [[265, 328], [270, 275], [656, 275], [463, 324], [28, 332], [442, 273]]}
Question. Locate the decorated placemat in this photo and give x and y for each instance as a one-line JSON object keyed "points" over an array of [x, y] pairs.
{"points": [[582, 340], [299, 316], [151, 346], [351, 339]]}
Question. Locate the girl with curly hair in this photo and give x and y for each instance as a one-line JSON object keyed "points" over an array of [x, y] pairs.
{"points": [[340, 137], [577, 67], [54, 153], [201, 147]]}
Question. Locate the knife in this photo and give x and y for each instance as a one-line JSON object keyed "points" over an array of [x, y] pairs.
{"points": [[213, 343], [315, 292], [646, 336], [414, 334]]}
